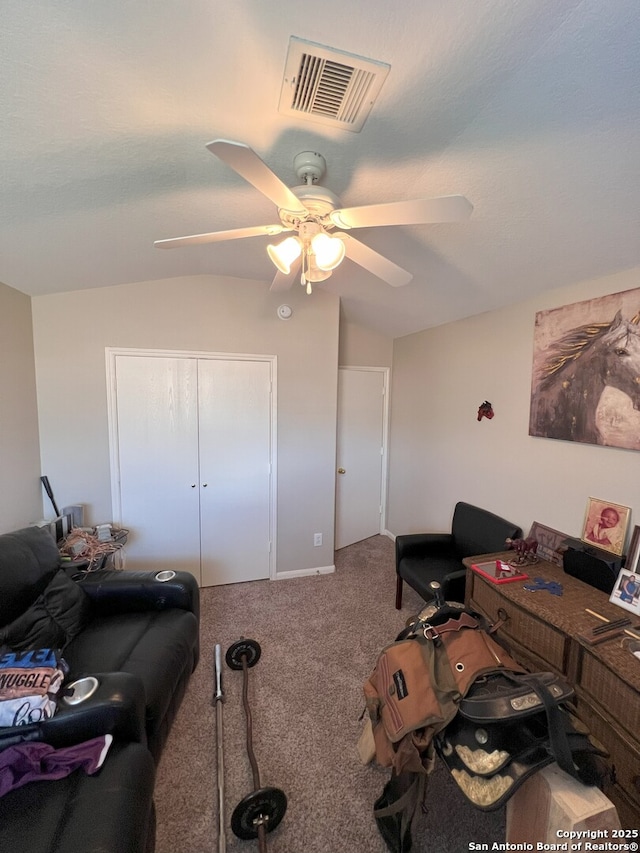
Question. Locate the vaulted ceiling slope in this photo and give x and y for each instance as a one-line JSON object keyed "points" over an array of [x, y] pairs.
{"points": [[530, 109]]}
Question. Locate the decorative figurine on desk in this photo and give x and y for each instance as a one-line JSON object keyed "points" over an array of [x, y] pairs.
{"points": [[526, 551]]}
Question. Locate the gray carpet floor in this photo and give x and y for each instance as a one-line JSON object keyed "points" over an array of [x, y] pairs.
{"points": [[319, 637]]}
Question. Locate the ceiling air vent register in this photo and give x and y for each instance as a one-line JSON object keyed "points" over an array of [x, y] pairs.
{"points": [[330, 86]]}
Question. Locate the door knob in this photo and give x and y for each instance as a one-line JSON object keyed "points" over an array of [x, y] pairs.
{"points": [[204, 485], [341, 471]]}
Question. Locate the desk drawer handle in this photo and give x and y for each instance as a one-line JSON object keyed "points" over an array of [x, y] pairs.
{"points": [[503, 616]]}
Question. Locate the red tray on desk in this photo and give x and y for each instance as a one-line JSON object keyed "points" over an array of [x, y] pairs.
{"points": [[490, 572]]}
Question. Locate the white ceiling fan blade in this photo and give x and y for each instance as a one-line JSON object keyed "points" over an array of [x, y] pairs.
{"points": [[285, 282], [451, 208], [219, 236], [374, 262], [246, 163]]}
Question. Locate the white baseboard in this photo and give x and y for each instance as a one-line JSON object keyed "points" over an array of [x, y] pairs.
{"points": [[391, 535], [305, 573]]}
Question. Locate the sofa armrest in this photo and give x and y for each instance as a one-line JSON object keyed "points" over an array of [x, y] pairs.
{"points": [[114, 591], [422, 545], [117, 707]]}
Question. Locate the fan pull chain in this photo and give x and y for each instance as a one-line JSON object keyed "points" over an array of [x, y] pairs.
{"points": [[303, 278]]}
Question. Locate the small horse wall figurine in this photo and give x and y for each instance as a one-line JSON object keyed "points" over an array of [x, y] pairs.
{"points": [[579, 367]]}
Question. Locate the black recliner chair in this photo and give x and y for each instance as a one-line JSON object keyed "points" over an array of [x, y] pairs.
{"points": [[425, 557]]}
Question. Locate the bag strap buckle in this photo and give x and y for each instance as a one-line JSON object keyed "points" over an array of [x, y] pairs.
{"points": [[429, 632]]}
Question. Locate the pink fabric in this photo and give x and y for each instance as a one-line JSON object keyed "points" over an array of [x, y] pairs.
{"points": [[34, 762]]}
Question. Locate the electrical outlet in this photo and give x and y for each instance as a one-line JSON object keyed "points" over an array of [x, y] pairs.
{"points": [[317, 539]]}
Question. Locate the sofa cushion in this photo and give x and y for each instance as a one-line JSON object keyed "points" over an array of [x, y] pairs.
{"points": [[29, 559], [157, 646], [110, 811], [419, 573], [59, 613]]}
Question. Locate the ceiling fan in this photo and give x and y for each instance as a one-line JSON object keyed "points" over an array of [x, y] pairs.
{"points": [[313, 212]]}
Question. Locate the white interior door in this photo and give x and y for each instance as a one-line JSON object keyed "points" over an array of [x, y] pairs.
{"points": [[157, 461], [235, 469], [360, 454]]}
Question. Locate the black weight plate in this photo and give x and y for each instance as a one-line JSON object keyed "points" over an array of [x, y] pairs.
{"points": [[266, 806], [249, 649]]}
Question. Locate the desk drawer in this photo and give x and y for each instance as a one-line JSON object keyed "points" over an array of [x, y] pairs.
{"points": [[624, 753], [547, 642], [613, 695]]}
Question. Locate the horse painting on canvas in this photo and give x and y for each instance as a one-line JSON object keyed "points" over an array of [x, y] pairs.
{"points": [[587, 385]]}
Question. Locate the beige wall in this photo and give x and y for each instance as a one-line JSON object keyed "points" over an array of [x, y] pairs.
{"points": [[360, 347], [203, 314], [20, 489], [440, 453]]}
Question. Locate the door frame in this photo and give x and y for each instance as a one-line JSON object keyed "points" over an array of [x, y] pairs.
{"points": [[112, 353], [384, 464]]}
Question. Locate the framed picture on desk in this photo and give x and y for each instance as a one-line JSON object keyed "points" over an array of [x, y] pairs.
{"points": [[605, 525], [551, 543], [626, 592]]}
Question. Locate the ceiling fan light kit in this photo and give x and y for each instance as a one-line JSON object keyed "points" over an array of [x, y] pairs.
{"points": [[312, 212], [329, 251], [320, 252], [285, 253]]}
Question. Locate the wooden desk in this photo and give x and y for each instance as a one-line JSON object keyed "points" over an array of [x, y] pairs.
{"points": [[541, 630]]}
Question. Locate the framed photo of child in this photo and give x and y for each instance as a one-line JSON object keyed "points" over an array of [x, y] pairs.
{"points": [[626, 592], [605, 525]]}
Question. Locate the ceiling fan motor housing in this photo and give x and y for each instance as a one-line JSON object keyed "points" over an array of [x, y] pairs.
{"points": [[319, 201]]}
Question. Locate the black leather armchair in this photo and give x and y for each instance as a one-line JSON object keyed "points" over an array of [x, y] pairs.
{"points": [[425, 557]]}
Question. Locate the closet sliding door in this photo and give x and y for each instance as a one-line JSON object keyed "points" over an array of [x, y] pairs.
{"points": [[234, 424], [157, 461], [191, 460]]}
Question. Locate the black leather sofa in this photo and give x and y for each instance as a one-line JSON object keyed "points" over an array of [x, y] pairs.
{"points": [[425, 557], [137, 634]]}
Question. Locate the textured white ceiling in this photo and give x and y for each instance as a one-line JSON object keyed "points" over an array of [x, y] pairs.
{"points": [[530, 109]]}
